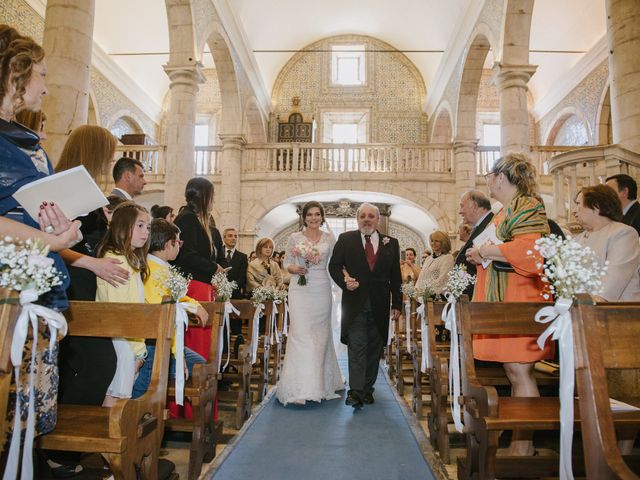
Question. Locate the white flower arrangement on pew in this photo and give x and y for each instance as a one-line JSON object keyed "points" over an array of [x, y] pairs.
{"points": [[223, 286], [24, 265], [26, 268], [173, 281], [260, 295], [177, 284], [458, 280], [569, 269]]}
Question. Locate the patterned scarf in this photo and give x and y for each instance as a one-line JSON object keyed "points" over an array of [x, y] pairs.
{"points": [[523, 215]]}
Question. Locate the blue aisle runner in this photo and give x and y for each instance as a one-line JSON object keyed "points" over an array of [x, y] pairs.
{"points": [[328, 441]]}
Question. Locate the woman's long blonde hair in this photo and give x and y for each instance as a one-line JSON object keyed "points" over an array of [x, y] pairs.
{"points": [[91, 146]]}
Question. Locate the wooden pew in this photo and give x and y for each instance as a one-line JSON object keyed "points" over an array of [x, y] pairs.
{"points": [[240, 397], [129, 433], [277, 349], [400, 351], [9, 310], [201, 390], [605, 337]]}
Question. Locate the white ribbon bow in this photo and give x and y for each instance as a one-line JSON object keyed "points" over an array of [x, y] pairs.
{"points": [[254, 332], [285, 322], [274, 334], [28, 316], [425, 357], [449, 319], [407, 323], [182, 323], [559, 318], [226, 322]]}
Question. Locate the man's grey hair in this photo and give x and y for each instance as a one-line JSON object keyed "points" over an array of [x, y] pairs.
{"points": [[360, 208], [479, 198]]}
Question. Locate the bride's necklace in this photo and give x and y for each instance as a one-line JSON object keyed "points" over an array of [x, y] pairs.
{"points": [[312, 239]]}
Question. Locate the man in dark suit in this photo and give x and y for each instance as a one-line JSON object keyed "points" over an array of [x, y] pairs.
{"points": [[627, 190], [238, 262], [366, 266], [128, 174], [475, 209]]}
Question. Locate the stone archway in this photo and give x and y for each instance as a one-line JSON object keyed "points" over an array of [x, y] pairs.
{"points": [[604, 133], [442, 131], [254, 126], [569, 119], [260, 207]]}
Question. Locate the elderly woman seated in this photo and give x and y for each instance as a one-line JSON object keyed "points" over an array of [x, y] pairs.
{"points": [[263, 271], [599, 211]]}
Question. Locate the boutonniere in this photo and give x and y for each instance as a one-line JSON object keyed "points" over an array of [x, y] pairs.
{"points": [[385, 240]]}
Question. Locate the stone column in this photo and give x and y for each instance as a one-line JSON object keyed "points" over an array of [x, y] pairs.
{"points": [[228, 199], [464, 160], [511, 81], [181, 121], [623, 36], [68, 42]]}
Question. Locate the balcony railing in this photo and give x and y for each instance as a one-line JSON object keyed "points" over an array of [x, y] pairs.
{"points": [[208, 160], [540, 155], [365, 158]]}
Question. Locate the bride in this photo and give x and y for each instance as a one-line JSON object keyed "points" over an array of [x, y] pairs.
{"points": [[310, 370]]}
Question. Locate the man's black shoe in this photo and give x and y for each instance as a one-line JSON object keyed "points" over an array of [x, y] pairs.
{"points": [[353, 400], [368, 399]]}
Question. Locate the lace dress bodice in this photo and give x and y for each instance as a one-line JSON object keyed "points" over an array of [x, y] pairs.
{"points": [[324, 247]]}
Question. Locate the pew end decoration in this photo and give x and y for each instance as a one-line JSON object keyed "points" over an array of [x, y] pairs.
{"points": [[25, 268], [569, 269], [223, 289], [173, 282], [458, 280]]}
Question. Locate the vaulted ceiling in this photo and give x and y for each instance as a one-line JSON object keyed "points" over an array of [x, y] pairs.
{"points": [[563, 35]]}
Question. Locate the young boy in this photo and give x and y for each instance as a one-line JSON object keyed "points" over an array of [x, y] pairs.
{"points": [[163, 248]]}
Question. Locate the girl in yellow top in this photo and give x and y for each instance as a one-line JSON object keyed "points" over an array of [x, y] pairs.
{"points": [[127, 240], [164, 246]]}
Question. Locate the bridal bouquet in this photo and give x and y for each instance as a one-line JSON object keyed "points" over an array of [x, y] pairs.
{"points": [[569, 269], [173, 281], [309, 254], [223, 286], [24, 265]]}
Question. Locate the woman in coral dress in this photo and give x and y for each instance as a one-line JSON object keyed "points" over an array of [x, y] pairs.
{"points": [[519, 224]]}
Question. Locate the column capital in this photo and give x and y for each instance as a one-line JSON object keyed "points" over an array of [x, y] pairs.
{"points": [[460, 145], [506, 76], [232, 140], [187, 74]]}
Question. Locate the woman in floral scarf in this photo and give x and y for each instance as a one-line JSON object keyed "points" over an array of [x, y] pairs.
{"points": [[518, 225]]}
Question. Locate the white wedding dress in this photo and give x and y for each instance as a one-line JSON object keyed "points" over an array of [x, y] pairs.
{"points": [[310, 370]]}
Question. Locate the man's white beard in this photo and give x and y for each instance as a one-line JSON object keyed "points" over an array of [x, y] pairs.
{"points": [[367, 230]]}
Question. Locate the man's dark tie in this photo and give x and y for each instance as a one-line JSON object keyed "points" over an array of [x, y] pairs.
{"points": [[228, 255], [368, 252]]}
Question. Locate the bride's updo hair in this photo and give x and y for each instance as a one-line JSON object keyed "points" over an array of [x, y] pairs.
{"points": [[308, 206]]}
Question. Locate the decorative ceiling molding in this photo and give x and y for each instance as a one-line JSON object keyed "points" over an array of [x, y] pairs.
{"points": [[240, 43], [455, 48], [567, 83], [114, 73]]}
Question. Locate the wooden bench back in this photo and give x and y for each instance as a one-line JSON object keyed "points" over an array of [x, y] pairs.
{"points": [[434, 318], [605, 337], [129, 320], [490, 318]]}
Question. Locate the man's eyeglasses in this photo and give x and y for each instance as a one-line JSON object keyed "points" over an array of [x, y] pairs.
{"points": [[486, 175]]}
